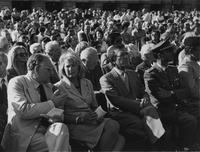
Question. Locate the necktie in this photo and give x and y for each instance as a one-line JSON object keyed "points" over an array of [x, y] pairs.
{"points": [[41, 90], [44, 121], [125, 77], [4, 88], [56, 65]]}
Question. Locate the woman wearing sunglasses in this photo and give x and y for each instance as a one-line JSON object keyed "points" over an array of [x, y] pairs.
{"points": [[17, 58]]}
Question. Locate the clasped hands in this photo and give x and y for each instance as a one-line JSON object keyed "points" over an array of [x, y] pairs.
{"points": [[145, 101], [90, 117], [56, 114]]}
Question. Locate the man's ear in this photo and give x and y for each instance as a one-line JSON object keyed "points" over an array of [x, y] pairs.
{"points": [[36, 68]]}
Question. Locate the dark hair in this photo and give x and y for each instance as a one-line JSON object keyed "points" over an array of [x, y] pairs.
{"points": [[34, 60], [46, 39], [111, 40], [42, 29]]}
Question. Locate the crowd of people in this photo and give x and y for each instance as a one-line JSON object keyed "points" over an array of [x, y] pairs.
{"points": [[79, 80]]}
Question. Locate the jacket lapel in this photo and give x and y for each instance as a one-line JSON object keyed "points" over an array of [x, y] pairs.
{"points": [[119, 83], [72, 89]]}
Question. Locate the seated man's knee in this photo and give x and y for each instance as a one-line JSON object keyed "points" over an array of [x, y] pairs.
{"points": [[190, 120], [112, 126]]}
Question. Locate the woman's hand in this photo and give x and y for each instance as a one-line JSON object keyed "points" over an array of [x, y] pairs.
{"points": [[89, 117]]}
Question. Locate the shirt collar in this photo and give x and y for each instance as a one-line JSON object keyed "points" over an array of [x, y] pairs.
{"points": [[5, 78], [34, 82]]}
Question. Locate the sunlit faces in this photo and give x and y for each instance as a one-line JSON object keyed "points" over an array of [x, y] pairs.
{"points": [[71, 68]]}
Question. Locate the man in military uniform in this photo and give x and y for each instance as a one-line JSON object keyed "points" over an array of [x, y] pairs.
{"points": [[163, 85]]}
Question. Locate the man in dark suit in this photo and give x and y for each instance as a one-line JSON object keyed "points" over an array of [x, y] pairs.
{"points": [[126, 99], [3, 93], [163, 86]]}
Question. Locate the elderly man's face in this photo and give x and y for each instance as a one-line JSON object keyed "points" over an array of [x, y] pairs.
{"points": [[55, 54], [44, 71], [90, 62]]}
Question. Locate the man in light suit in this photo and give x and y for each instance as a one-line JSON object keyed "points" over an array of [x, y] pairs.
{"points": [[30, 96], [126, 98], [3, 93]]}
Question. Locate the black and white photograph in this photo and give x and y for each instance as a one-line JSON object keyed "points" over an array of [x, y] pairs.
{"points": [[99, 75]]}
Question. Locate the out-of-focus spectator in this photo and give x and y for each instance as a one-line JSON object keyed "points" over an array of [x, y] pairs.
{"points": [[17, 58], [53, 50], [4, 45], [89, 58], [80, 47]]}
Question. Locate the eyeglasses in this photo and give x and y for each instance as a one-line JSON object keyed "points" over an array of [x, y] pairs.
{"points": [[22, 54]]}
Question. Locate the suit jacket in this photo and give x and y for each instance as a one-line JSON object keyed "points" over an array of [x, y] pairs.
{"points": [[115, 89], [24, 109]]}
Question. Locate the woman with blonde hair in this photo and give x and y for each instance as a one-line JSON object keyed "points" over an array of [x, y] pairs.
{"points": [[81, 112], [17, 58]]}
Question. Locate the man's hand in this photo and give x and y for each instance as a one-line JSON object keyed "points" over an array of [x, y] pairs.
{"points": [[145, 101], [162, 93]]}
